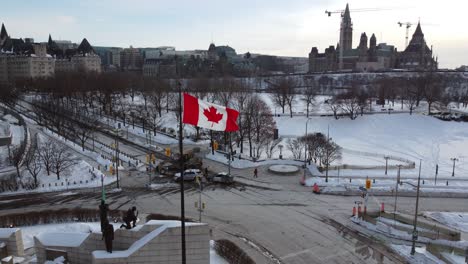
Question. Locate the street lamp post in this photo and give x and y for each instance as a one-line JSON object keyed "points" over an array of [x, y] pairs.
{"points": [[386, 164], [328, 155], [415, 231], [396, 195], [117, 161], [305, 149], [453, 170]]}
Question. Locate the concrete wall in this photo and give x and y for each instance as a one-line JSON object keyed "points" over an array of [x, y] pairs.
{"points": [[166, 248], [14, 243]]}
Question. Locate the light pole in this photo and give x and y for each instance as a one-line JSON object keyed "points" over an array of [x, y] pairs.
{"points": [[453, 170], [117, 161], [386, 163], [305, 150], [415, 231], [328, 155], [396, 195]]}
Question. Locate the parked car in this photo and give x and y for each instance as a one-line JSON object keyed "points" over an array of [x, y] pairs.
{"points": [[223, 177], [189, 175]]}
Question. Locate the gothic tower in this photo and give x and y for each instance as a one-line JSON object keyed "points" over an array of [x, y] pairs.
{"points": [[3, 35], [346, 30]]}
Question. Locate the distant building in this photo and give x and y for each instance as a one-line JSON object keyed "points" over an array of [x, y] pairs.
{"points": [[131, 59], [369, 56], [23, 60], [417, 55], [83, 58]]}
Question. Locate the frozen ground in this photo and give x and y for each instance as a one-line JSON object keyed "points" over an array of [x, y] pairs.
{"points": [[411, 137], [9, 124], [421, 257], [455, 220]]}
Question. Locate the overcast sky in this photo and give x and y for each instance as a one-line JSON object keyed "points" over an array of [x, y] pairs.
{"points": [[277, 27]]}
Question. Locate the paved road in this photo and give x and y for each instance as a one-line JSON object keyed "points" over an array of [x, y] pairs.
{"points": [[293, 224]]}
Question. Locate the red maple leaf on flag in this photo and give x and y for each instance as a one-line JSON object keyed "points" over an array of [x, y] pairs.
{"points": [[212, 114]]}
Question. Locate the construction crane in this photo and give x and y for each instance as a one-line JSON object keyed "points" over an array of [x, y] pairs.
{"points": [[341, 12], [407, 25], [329, 13]]}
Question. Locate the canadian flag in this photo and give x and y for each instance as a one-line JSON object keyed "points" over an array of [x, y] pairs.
{"points": [[207, 115]]}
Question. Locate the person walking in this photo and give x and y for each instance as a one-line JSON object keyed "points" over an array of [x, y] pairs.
{"points": [[255, 173], [108, 235]]}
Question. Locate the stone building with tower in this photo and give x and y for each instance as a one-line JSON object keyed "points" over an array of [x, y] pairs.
{"points": [[26, 59], [21, 59], [370, 56]]}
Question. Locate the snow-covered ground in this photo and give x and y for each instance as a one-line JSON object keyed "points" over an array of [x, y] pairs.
{"points": [[9, 123], [411, 137], [453, 219], [29, 232], [422, 256]]}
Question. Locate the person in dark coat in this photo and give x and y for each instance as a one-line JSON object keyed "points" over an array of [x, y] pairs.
{"points": [[108, 236], [255, 173], [130, 218], [103, 209]]}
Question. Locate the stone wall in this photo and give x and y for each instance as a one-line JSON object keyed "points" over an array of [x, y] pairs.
{"points": [[165, 248], [14, 243]]}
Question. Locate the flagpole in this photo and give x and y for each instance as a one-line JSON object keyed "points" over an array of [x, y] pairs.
{"points": [[229, 155], [181, 160]]}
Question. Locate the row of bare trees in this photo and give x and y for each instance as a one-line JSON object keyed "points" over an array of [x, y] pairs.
{"points": [[317, 148], [357, 95], [49, 156]]}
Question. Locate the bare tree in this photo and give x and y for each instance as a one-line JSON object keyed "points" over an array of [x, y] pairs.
{"points": [[16, 157], [432, 89], [334, 105], [33, 160], [411, 99], [283, 93], [296, 147], [61, 159], [308, 96], [270, 146], [332, 152], [46, 152]]}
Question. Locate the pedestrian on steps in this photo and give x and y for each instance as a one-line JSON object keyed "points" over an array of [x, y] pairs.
{"points": [[255, 173]]}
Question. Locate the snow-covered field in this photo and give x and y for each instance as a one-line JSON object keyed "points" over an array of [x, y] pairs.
{"points": [[411, 137]]}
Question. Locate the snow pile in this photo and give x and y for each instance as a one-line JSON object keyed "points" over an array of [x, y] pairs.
{"points": [[454, 259], [422, 256], [452, 219], [214, 257], [59, 260]]}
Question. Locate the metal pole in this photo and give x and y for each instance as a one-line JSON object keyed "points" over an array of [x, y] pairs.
{"points": [[415, 231], [396, 195], [328, 158], [117, 160], [199, 203], [386, 164], [453, 170], [181, 162], [230, 154], [305, 151]]}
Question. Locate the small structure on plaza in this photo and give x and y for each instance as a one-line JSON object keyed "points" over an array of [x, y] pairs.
{"points": [[283, 169]]}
